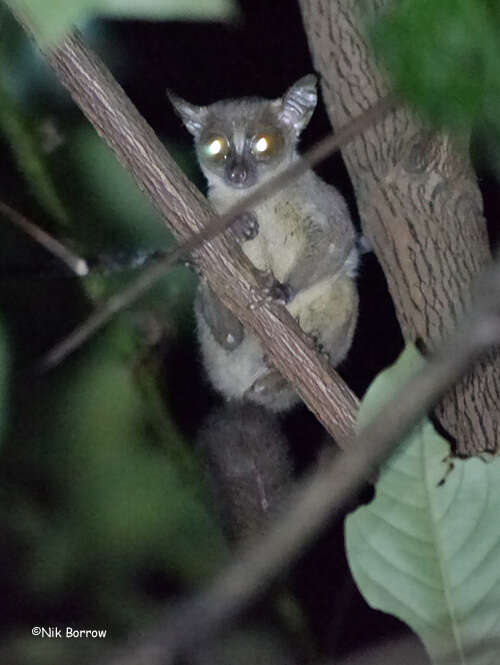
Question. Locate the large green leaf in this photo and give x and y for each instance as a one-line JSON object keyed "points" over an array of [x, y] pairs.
{"points": [[427, 548], [131, 492], [444, 57], [186, 10], [52, 19], [18, 130], [131, 497]]}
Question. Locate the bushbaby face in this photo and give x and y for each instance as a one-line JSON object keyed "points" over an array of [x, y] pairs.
{"points": [[240, 143]]}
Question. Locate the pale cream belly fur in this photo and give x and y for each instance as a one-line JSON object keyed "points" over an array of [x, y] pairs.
{"points": [[233, 373], [327, 310]]}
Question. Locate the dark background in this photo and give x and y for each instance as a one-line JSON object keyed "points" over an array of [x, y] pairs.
{"points": [[42, 522]]}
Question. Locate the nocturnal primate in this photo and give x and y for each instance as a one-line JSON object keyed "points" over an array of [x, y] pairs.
{"points": [[302, 235]]}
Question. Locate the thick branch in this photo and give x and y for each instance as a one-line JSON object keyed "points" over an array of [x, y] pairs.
{"points": [[322, 495], [185, 210], [420, 206]]}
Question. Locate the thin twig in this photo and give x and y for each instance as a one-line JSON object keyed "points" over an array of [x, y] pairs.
{"points": [[75, 263], [218, 224], [322, 495]]}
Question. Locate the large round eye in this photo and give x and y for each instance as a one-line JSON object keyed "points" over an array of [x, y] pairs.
{"points": [[267, 144], [216, 148]]}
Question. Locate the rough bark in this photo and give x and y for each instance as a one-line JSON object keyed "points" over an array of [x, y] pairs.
{"points": [[420, 207], [184, 209]]}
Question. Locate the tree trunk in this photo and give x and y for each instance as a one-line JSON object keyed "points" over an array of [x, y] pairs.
{"points": [[420, 207]]}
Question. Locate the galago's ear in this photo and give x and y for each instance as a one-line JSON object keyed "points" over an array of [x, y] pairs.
{"points": [[192, 116], [298, 103]]}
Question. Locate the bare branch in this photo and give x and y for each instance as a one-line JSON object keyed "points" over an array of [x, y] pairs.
{"points": [[75, 263], [229, 272], [320, 497]]}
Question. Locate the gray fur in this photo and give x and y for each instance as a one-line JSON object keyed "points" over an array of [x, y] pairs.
{"points": [[305, 237], [249, 470]]}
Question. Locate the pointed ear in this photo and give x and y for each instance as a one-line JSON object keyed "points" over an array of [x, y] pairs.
{"points": [[298, 103], [192, 116]]}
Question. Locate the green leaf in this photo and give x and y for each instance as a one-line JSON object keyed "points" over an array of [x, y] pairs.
{"points": [[52, 19], [443, 57], [427, 548], [127, 498], [182, 10], [387, 384], [27, 150], [112, 192]]}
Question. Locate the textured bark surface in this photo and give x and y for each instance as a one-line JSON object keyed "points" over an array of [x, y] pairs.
{"points": [[420, 206], [229, 272]]}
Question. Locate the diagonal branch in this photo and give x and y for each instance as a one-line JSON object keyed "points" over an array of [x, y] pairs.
{"points": [[213, 228], [322, 495], [186, 211]]}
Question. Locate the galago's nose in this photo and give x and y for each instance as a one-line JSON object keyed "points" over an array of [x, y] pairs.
{"points": [[238, 172]]}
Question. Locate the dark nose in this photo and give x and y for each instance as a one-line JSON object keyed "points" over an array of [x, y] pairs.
{"points": [[238, 172]]}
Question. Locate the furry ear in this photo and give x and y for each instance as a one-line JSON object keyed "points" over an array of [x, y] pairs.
{"points": [[192, 116], [298, 103]]}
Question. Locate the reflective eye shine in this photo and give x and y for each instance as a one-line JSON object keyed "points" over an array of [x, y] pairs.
{"points": [[215, 147], [267, 144], [262, 144]]}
